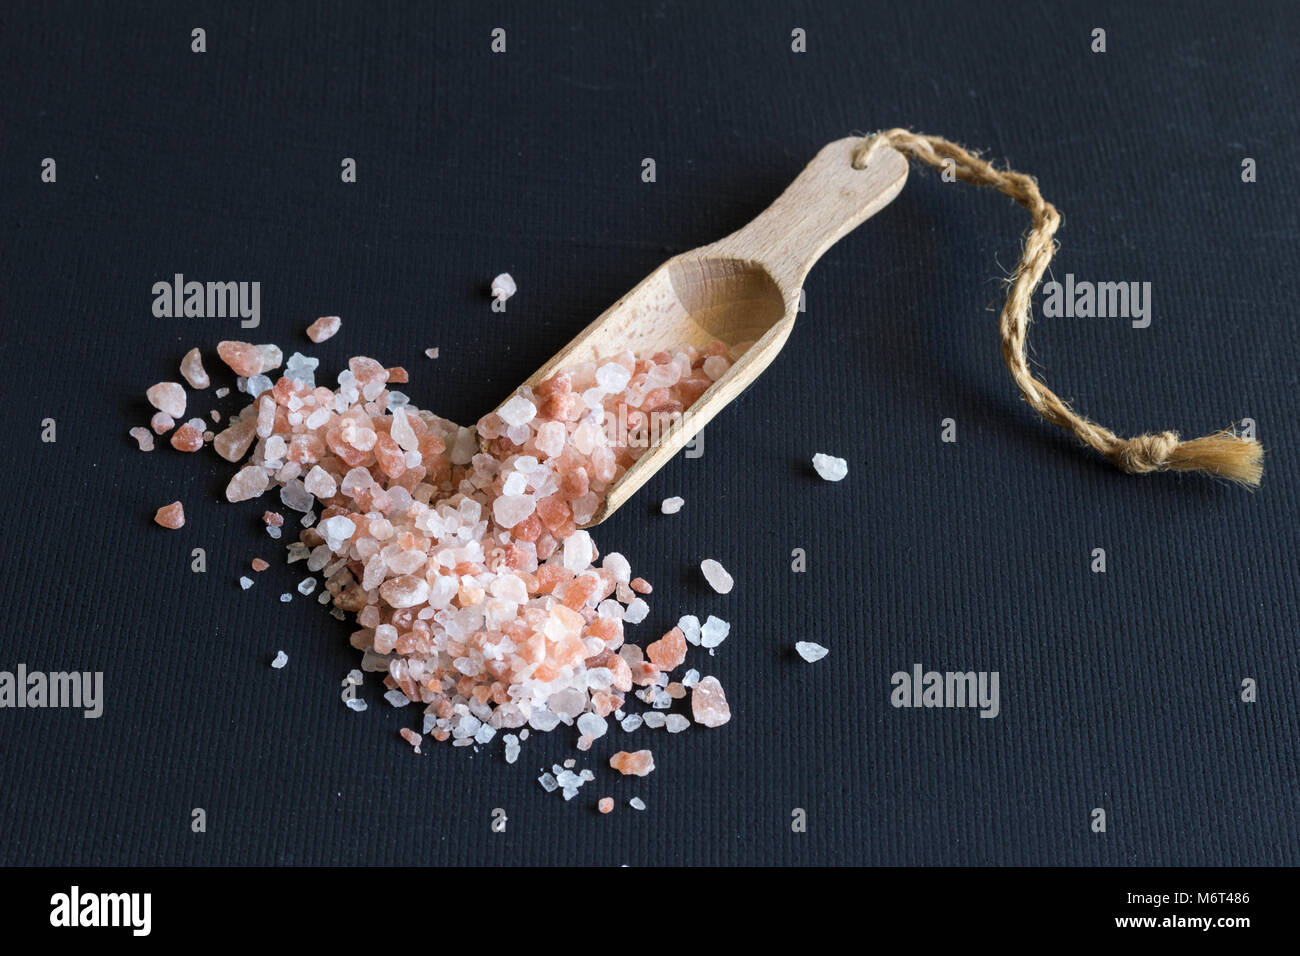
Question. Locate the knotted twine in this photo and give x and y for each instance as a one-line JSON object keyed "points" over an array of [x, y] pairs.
{"points": [[1223, 453]]}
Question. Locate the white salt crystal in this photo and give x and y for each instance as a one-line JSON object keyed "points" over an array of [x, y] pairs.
{"points": [[222, 392], [433, 354], [578, 550], [692, 678], [503, 286], [715, 366], [810, 651], [618, 565], [632, 722], [612, 377], [515, 484], [286, 597], [320, 483], [676, 723], [396, 697], [256, 385], [356, 704], [717, 576], [592, 725], [671, 506], [636, 803], [297, 497], [714, 631], [830, 467], [654, 719], [517, 411], [512, 748], [636, 611], [509, 510], [690, 627], [548, 783], [281, 658], [300, 368], [245, 583], [306, 586]]}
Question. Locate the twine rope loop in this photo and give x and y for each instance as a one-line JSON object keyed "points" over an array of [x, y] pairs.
{"points": [[1223, 453]]}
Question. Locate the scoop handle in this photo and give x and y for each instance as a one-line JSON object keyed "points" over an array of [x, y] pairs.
{"points": [[824, 203]]}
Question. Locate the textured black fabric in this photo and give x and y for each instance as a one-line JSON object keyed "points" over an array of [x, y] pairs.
{"points": [[1119, 690]]}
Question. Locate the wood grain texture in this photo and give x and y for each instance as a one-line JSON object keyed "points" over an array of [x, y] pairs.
{"points": [[743, 289]]}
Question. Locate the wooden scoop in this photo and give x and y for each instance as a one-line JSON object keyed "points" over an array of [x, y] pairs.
{"points": [[744, 288]]}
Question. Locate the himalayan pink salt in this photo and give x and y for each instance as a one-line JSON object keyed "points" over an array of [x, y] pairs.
{"points": [[142, 438], [192, 370], [259, 564], [272, 519], [324, 328], [431, 353], [717, 576], [411, 737], [244, 359], [669, 651], [605, 804], [637, 764], [162, 423], [171, 516], [641, 586], [232, 443], [187, 438], [167, 397], [248, 483], [709, 703]]}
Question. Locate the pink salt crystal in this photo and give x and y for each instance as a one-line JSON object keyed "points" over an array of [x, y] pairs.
{"points": [[431, 353], [142, 438], [187, 438], [192, 370], [232, 443], [669, 651], [709, 703], [635, 764], [272, 518], [641, 586], [411, 737], [244, 359], [248, 483], [324, 328], [168, 397], [605, 804], [259, 564], [171, 516], [161, 423], [584, 742]]}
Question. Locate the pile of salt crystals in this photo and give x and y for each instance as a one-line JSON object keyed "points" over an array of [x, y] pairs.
{"points": [[458, 548]]}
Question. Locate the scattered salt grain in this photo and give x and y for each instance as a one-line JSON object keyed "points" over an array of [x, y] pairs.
{"points": [[709, 704], [192, 370], [286, 597], [636, 611], [431, 353], [306, 586], [355, 704], [717, 576], [632, 722], [324, 328], [503, 286], [810, 651], [691, 679], [281, 658], [512, 748], [671, 506], [637, 764], [676, 723], [592, 726], [714, 631], [396, 698], [222, 392], [171, 516], [830, 467], [654, 720], [548, 783], [245, 582], [162, 423], [168, 398], [142, 438], [690, 627], [605, 804], [636, 803], [411, 737]]}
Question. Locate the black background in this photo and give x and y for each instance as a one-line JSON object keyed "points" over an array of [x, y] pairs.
{"points": [[1119, 690]]}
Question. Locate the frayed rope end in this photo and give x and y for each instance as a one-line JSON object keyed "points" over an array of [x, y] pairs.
{"points": [[1224, 454]]}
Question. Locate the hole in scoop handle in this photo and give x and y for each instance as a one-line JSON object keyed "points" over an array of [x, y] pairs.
{"points": [[825, 202]]}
